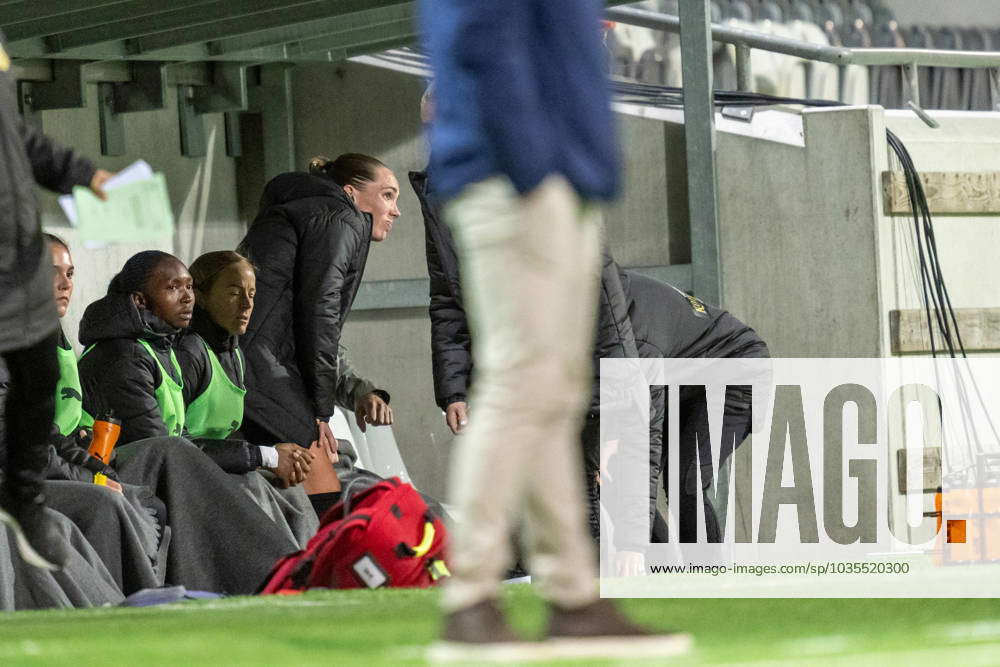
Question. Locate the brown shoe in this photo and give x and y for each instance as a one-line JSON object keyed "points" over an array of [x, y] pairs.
{"points": [[482, 623], [480, 634], [600, 630]]}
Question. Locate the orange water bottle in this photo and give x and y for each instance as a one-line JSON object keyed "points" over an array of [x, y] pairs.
{"points": [[106, 432]]}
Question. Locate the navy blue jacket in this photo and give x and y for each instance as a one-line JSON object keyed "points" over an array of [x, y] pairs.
{"points": [[520, 91]]}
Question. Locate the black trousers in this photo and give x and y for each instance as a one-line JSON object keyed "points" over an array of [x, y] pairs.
{"points": [[696, 452], [590, 440], [29, 414]]}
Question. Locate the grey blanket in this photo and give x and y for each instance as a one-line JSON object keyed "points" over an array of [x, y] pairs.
{"points": [[221, 539], [82, 582], [124, 534], [290, 508]]}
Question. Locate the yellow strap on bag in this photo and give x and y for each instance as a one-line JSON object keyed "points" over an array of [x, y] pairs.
{"points": [[425, 544]]}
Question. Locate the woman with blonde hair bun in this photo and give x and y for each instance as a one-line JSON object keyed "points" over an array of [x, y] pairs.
{"points": [[309, 243]]}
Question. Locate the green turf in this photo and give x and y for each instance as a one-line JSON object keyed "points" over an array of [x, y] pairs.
{"points": [[394, 627]]}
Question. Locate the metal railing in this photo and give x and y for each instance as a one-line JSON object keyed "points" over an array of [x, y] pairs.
{"points": [[910, 60], [697, 33]]}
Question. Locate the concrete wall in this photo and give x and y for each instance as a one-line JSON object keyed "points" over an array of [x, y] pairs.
{"points": [[797, 236], [799, 223], [202, 191]]}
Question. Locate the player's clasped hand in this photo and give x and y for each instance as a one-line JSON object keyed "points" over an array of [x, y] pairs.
{"points": [[293, 464], [457, 416], [371, 409]]}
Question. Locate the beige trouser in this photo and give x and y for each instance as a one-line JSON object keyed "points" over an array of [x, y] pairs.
{"points": [[530, 272]]}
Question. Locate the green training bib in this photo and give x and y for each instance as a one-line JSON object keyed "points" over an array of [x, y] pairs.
{"points": [[218, 411], [69, 394], [169, 393]]}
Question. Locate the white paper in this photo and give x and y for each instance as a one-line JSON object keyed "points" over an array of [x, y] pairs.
{"points": [[137, 171]]}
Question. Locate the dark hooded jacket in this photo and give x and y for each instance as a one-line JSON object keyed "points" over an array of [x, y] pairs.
{"points": [[27, 312], [309, 243], [671, 324], [117, 373], [451, 344]]}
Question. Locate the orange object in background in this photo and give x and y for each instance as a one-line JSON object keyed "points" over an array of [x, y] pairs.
{"points": [[956, 531], [106, 432], [976, 536]]}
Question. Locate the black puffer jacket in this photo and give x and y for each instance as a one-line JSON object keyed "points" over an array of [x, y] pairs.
{"points": [[451, 346], [27, 312], [118, 373], [309, 244]]}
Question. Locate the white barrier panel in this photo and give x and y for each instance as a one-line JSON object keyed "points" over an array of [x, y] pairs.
{"points": [[858, 477]]}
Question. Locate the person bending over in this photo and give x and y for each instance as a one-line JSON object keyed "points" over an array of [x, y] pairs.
{"points": [[310, 243], [669, 323]]}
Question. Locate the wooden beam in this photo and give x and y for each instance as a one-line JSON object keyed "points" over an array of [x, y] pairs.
{"points": [[955, 193], [980, 329]]}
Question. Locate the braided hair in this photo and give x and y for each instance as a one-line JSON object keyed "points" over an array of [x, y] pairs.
{"points": [[136, 272]]}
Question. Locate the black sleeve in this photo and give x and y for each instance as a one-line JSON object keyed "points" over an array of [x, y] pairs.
{"points": [[69, 458], [194, 367], [351, 386], [616, 340], [451, 355], [54, 166], [233, 456], [60, 469], [4, 390], [123, 381], [325, 250], [615, 337]]}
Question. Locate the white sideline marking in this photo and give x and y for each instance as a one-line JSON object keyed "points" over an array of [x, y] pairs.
{"points": [[976, 631], [828, 645], [976, 655], [609, 648]]}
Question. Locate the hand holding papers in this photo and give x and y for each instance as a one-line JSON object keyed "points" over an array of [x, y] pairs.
{"points": [[137, 207]]}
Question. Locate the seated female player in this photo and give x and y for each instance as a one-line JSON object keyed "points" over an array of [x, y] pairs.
{"points": [[129, 367], [122, 523], [214, 382], [213, 370], [212, 367]]}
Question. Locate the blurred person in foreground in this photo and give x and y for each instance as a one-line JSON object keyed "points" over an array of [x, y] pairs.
{"points": [[29, 328], [522, 149]]}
